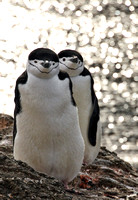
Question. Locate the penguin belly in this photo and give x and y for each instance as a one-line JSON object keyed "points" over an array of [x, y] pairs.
{"points": [[48, 134], [82, 96]]}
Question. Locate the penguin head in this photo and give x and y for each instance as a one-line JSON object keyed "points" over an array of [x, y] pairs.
{"points": [[71, 62], [43, 63]]}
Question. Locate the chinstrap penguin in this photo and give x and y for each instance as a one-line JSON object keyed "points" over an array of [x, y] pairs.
{"points": [[46, 132], [89, 115]]}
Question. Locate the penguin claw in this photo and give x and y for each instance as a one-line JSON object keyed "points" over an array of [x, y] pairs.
{"points": [[70, 190]]}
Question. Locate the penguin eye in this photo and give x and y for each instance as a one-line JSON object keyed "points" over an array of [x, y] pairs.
{"points": [[64, 59], [35, 61], [53, 63]]}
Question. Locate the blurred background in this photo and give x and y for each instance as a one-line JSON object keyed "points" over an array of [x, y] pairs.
{"points": [[104, 32]]}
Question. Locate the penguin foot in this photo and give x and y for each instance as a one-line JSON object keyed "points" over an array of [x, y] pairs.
{"points": [[70, 190], [84, 163], [65, 183], [87, 162], [86, 181]]}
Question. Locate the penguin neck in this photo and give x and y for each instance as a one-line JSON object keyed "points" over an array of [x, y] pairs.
{"points": [[74, 73], [41, 82], [43, 75]]}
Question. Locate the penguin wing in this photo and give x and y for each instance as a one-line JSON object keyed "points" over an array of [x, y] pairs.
{"points": [[93, 123], [62, 76], [22, 79]]}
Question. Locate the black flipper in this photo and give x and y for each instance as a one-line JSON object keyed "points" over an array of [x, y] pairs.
{"points": [[62, 75], [22, 79], [96, 111], [94, 123]]}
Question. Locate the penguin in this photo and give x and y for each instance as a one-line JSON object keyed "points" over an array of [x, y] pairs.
{"points": [[71, 62], [46, 133]]}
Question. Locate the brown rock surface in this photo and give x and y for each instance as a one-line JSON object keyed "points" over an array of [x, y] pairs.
{"points": [[108, 177]]}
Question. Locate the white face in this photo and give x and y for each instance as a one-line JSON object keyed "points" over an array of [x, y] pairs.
{"points": [[43, 69], [72, 65]]}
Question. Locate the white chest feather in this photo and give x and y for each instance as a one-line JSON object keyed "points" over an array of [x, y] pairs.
{"points": [[82, 95], [48, 134], [83, 98]]}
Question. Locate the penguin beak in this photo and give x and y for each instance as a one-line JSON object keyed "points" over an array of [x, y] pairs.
{"points": [[74, 60], [46, 64]]}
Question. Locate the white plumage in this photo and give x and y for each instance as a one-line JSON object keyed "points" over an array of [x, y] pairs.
{"points": [[48, 135], [83, 92]]}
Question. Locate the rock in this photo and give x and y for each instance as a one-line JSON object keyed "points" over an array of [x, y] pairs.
{"points": [[108, 177]]}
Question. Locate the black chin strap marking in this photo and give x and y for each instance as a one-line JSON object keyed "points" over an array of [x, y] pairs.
{"points": [[69, 67], [42, 71]]}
